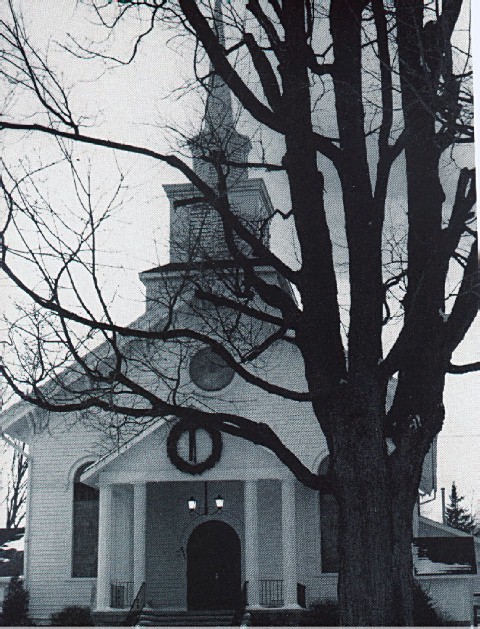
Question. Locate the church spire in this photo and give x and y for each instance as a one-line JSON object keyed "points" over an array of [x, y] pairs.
{"points": [[218, 110], [218, 133], [196, 230]]}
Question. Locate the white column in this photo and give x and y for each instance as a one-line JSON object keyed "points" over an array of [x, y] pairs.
{"points": [[104, 546], [139, 525], [289, 543], [251, 543]]}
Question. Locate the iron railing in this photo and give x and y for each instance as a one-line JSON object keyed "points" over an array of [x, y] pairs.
{"points": [[239, 615], [121, 594], [271, 592], [136, 608]]}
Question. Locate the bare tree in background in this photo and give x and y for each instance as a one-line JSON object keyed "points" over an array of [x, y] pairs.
{"points": [[396, 88], [16, 490]]}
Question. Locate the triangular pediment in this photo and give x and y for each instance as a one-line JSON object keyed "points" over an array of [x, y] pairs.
{"points": [[144, 459]]}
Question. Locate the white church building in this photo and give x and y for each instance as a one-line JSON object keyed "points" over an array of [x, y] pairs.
{"points": [[104, 524]]}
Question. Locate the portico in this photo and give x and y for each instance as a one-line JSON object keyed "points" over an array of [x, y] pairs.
{"points": [[146, 530]]}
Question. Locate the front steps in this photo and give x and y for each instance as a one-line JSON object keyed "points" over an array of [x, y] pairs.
{"points": [[158, 618]]}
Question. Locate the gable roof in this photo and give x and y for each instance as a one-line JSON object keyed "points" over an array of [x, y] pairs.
{"points": [[22, 411], [432, 528]]}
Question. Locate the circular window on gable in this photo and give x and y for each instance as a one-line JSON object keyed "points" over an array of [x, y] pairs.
{"points": [[210, 372]]}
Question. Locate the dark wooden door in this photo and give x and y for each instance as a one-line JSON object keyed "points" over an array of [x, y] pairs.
{"points": [[213, 567]]}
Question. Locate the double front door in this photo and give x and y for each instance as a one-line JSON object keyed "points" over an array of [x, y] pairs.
{"points": [[213, 567]]}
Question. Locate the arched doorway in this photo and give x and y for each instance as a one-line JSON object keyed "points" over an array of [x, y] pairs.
{"points": [[213, 567]]}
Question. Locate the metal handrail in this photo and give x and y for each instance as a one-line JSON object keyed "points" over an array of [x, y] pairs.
{"points": [[121, 594], [301, 595], [238, 616], [136, 607], [245, 594], [240, 611]]}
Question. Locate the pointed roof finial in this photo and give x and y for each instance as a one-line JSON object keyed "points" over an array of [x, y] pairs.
{"points": [[218, 111], [218, 22]]}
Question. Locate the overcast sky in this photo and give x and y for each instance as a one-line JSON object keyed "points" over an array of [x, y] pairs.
{"points": [[137, 237]]}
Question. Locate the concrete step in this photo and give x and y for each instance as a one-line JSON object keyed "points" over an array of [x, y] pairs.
{"points": [[177, 622], [158, 618]]}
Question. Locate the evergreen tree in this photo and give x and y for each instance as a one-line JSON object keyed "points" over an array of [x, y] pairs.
{"points": [[459, 517], [15, 605]]}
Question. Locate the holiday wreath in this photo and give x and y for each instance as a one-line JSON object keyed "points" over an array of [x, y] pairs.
{"points": [[193, 467]]}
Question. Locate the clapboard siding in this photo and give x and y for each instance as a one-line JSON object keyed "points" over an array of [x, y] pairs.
{"points": [[453, 596], [49, 538], [60, 450]]}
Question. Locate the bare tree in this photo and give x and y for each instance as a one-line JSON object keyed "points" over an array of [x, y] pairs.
{"points": [[396, 85], [16, 495]]}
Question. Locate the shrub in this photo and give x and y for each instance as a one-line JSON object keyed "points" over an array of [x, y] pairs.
{"points": [[322, 614], [15, 605], [425, 614], [277, 617], [73, 616]]}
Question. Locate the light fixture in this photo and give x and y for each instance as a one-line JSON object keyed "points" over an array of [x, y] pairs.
{"points": [[192, 504]]}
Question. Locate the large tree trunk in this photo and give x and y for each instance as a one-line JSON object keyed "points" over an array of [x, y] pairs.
{"points": [[366, 582], [376, 582], [403, 563], [365, 537], [376, 493]]}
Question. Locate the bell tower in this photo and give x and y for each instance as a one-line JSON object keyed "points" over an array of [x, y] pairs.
{"points": [[196, 232]]}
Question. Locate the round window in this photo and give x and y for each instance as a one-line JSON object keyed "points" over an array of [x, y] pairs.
{"points": [[210, 372]]}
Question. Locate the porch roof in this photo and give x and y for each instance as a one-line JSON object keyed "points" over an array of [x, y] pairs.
{"points": [[90, 475]]}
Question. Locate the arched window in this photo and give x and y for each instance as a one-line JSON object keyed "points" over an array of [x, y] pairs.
{"points": [[328, 526], [85, 527]]}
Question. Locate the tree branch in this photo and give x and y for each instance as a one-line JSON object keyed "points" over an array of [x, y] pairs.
{"points": [[224, 209], [466, 304], [461, 369], [228, 74], [236, 425]]}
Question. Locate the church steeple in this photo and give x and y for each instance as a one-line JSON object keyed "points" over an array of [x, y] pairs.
{"points": [[218, 133], [196, 231], [218, 110]]}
